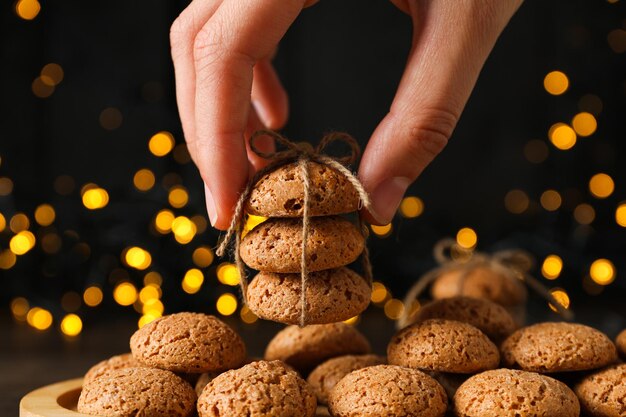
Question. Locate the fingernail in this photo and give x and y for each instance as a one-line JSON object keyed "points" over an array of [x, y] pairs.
{"points": [[387, 196], [262, 112], [210, 205]]}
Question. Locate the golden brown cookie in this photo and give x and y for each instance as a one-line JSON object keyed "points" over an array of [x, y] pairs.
{"points": [[280, 193], [489, 317], [620, 342], [137, 392], [332, 295], [306, 347], [480, 282], [125, 360], [258, 389], [188, 342], [511, 393], [323, 378], [387, 390], [558, 347], [603, 393], [443, 346], [276, 244]]}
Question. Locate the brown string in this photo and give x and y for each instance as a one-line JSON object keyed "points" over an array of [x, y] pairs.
{"points": [[303, 153]]}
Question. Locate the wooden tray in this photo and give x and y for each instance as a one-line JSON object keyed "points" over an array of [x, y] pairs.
{"points": [[56, 400]]}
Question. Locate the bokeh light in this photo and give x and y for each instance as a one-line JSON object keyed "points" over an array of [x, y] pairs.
{"points": [[144, 179], [71, 325], [226, 304], [560, 297], [556, 83], [550, 200], [95, 198], [39, 318], [3, 223], [601, 185], [394, 309], [466, 238], [411, 207], [153, 278], [19, 222], [92, 296], [602, 271], [584, 124], [7, 259], [552, 267], [620, 214], [584, 214], [228, 274], [125, 294], [153, 307], [617, 40], [382, 231], [193, 280], [150, 292], [178, 196], [562, 136], [163, 221], [137, 258], [52, 73], [45, 215], [161, 143], [27, 9], [202, 256], [22, 242], [247, 316], [145, 319], [516, 201], [6, 186], [536, 151], [184, 229], [111, 118], [379, 293], [19, 308]]}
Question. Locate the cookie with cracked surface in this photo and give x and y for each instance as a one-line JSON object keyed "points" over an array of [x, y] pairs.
{"points": [[306, 347], [558, 347], [620, 342], [443, 346], [603, 393], [332, 295], [280, 193], [324, 378], [260, 388], [125, 360], [489, 317], [387, 390], [513, 393], [276, 245], [129, 392], [188, 342]]}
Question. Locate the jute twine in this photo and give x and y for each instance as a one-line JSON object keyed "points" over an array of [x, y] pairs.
{"points": [[301, 153], [514, 264]]}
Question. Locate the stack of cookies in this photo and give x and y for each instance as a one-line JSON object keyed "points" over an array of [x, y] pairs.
{"points": [[333, 292]]}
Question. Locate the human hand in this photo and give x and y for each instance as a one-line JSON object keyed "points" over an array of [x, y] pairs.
{"points": [[227, 89]]}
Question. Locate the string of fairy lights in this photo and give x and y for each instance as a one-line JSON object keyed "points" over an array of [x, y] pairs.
{"points": [[22, 233]]}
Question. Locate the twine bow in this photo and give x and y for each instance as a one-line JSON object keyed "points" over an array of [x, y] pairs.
{"points": [[302, 153], [512, 263]]}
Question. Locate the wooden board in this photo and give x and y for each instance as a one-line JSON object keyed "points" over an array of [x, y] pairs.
{"points": [[56, 400]]}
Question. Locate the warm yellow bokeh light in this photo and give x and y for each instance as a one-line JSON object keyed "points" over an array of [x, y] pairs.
{"points": [[247, 316], [138, 258], [27, 9], [411, 207], [6, 186], [145, 319], [556, 83], [71, 325], [602, 271], [163, 221], [561, 297], [584, 124], [466, 238], [178, 197], [394, 309], [125, 294], [620, 214], [92, 296], [584, 214], [7, 259], [95, 198], [153, 307], [153, 278], [3, 223], [552, 267], [562, 136], [161, 143], [379, 292], [149, 292], [550, 200], [184, 229], [39, 318], [226, 304], [45, 215], [193, 280], [52, 73], [228, 274], [19, 222], [601, 185], [19, 308], [202, 256], [144, 180], [22, 242], [382, 231], [200, 222], [516, 201]]}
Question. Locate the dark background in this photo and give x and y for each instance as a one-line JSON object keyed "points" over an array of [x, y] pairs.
{"points": [[340, 63]]}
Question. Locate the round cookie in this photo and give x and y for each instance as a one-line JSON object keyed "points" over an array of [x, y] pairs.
{"points": [[489, 317], [323, 378], [443, 346], [280, 193], [558, 347], [188, 342], [511, 393], [387, 390], [306, 347], [129, 392], [620, 342], [332, 295], [125, 360], [258, 389], [480, 282], [276, 244], [603, 394]]}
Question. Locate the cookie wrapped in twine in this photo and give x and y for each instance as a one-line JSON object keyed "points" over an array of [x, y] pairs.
{"points": [[511, 263], [302, 153]]}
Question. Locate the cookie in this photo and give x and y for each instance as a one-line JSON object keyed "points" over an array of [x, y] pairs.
{"points": [[125, 360], [325, 376], [558, 347], [188, 342], [480, 282], [280, 193], [511, 393], [130, 392], [620, 342], [332, 295], [306, 347], [491, 318], [258, 389], [276, 244], [387, 390], [603, 394], [443, 346]]}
